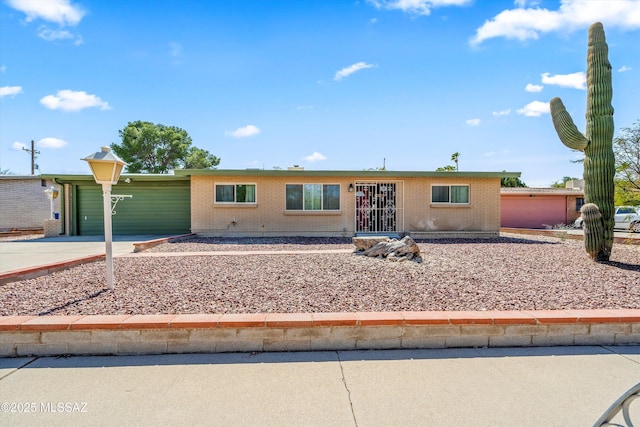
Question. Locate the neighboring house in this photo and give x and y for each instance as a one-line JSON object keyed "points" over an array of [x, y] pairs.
{"points": [[159, 204], [540, 207], [23, 202], [294, 202], [298, 202]]}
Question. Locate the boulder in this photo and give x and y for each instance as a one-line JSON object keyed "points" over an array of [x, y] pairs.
{"points": [[395, 250], [363, 243]]}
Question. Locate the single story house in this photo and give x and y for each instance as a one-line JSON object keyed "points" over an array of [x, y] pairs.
{"points": [[529, 207], [292, 202], [298, 202], [23, 203]]}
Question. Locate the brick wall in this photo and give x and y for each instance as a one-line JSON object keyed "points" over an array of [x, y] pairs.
{"points": [[267, 217], [209, 333], [23, 203]]}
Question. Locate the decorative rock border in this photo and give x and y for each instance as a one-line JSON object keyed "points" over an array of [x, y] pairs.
{"points": [[209, 333]]}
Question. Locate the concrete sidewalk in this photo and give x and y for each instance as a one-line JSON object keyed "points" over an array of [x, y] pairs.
{"points": [[560, 386], [23, 254]]}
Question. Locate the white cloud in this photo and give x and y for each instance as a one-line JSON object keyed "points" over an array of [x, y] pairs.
{"points": [[419, 7], [62, 12], [502, 113], [315, 157], [533, 88], [3, 68], [623, 69], [534, 109], [523, 24], [18, 146], [69, 100], [473, 122], [244, 132], [304, 107], [347, 71], [10, 90], [574, 80], [51, 143], [48, 34]]}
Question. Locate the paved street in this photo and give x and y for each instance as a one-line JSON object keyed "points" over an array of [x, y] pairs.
{"points": [[560, 386]]}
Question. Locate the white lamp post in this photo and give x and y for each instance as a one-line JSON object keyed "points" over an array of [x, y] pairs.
{"points": [[106, 168], [52, 194]]}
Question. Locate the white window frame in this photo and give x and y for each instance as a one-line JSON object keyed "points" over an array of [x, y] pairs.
{"points": [[235, 184], [322, 200], [450, 203]]}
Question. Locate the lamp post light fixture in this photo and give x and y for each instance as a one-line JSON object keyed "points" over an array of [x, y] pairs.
{"points": [[52, 193], [106, 168]]}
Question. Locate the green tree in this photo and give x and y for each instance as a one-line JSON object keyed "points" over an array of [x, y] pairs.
{"points": [[563, 182], [448, 168], [454, 158], [512, 182], [156, 148], [200, 159], [626, 147]]}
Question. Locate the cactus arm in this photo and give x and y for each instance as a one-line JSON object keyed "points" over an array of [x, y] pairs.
{"points": [[565, 128]]}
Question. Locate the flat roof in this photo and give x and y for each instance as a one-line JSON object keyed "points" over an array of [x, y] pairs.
{"points": [[345, 173], [67, 178]]}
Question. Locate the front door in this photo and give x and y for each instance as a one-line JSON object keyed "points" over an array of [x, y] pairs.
{"points": [[376, 207]]}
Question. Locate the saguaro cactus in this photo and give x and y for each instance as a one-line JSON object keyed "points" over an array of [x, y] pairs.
{"points": [[596, 143]]}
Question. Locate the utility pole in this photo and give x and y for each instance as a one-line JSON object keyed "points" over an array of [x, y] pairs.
{"points": [[34, 155]]}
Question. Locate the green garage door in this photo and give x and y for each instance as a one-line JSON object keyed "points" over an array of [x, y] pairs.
{"points": [[155, 208]]}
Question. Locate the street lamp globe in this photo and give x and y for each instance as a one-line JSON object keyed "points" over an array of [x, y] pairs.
{"points": [[105, 166]]}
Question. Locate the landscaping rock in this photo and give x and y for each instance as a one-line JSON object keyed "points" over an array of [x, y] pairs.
{"points": [[395, 250], [363, 243]]}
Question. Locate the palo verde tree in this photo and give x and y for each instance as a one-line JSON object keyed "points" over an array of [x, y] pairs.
{"points": [[156, 148], [596, 144], [627, 148]]}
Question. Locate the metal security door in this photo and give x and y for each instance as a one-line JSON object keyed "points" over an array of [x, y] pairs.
{"points": [[376, 207]]}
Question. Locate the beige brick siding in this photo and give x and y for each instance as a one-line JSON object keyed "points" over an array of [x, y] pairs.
{"points": [[23, 203], [268, 217]]}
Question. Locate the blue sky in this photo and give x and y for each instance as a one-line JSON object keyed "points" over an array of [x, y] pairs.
{"points": [[331, 84]]}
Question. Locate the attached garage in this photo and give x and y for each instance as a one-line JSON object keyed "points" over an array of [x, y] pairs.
{"points": [[152, 204], [539, 207]]}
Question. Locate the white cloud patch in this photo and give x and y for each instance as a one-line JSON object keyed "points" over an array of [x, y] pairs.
{"points": [[62, 12], [3, 68], [502, 113], [49, 35], [534, 109], [69, 100], [574, 80], [347, 71], [305, 107], [244, 132], [315, 157], [18, 146], [418, 7], [473, 122], [528, 23], [624, 69], [533, 88], [52, 143], [10, 91]]}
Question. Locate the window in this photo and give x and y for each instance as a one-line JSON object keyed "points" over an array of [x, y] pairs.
{"points": [[579, 203], [451, 194], [313, 197], [235, 193]]}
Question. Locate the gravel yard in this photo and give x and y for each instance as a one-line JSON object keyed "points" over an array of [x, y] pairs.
{"points": [[513, 272]]}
